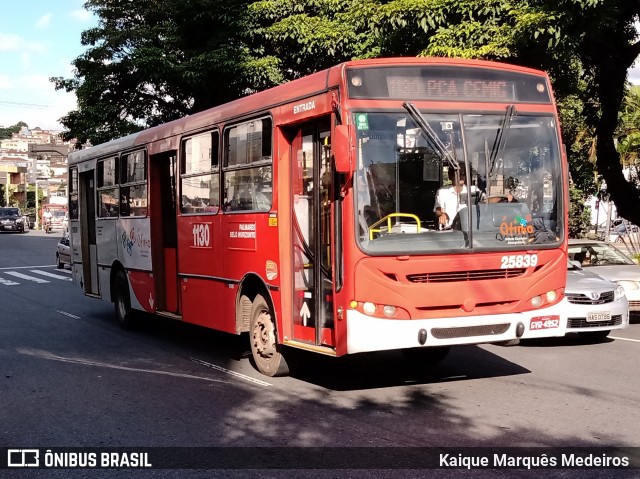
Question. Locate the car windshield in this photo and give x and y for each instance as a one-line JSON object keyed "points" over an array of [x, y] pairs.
{"points": [[412, 166], [9, 212], [597, 254]]}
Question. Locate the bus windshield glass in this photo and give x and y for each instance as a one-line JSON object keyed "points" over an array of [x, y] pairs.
{"points": [[434, 182]]}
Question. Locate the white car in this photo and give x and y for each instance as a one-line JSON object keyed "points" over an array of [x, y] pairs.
{"points": [[607, 261], [592, 307]]}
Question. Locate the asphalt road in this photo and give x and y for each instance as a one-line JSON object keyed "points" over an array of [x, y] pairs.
{"points": [[70, 378]]}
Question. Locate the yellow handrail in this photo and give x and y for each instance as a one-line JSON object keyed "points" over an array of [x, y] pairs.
{"points": [[388, 218]]}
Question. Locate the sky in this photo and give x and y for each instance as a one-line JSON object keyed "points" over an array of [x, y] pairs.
{"points": [[39, 39]]}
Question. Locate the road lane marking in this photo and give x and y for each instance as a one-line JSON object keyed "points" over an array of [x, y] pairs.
{"points": [[84, 362], [27, 277], [231, 373], [50, 275], [7, 282], [625, 339], [68, 314], [27, 267]]}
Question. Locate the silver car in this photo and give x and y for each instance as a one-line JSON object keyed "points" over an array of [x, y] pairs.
{"points": [[593, 306], [607, 261], [63, 252]]}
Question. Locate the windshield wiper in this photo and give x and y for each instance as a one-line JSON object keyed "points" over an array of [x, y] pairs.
{"points": [[431, 135], [501, 138]]}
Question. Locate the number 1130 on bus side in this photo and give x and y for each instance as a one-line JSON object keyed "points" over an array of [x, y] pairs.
{"points": [[409, 204]]}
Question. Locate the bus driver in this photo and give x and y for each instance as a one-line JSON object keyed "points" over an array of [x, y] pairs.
{"points": [[450, 199]]}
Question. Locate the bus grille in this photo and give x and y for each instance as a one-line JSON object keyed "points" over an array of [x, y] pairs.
{"points": [[582, 322], [453, 276], [578, 298], [469, 331]]}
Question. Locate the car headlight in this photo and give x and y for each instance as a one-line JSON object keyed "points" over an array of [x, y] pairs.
{"points": [[628, 285], [619, 292]]}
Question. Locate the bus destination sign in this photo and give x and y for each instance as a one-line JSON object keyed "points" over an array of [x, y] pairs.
{"points": [[452, 88], [447, 83]]}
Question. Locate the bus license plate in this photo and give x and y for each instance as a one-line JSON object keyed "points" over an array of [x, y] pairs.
{"points": [[544, 322], [595, 316]]}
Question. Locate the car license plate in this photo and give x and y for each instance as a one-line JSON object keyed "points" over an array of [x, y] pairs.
{"points": [[595, 316]]}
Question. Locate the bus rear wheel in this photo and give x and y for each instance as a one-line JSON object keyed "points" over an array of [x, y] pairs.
{"points": [[265, 350], [122, 302]]}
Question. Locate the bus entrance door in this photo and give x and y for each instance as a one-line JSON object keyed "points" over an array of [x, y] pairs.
{"points": [[311, 196], [89, 250], [163, 226]]}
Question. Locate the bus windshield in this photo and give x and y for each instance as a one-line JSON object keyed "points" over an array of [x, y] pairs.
{"points": [[428, 182]]}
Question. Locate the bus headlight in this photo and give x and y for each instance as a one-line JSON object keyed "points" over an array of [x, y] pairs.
{"points": [[369, 308], [536, 301], [389, 311], [551, 296]]}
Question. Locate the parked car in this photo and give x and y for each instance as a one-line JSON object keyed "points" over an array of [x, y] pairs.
{"points": [[619, 231], [12, 220], [607, 261], [592, 307], [63, 252]]}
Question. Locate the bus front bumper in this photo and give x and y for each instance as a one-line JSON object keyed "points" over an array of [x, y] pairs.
{"points": [[366, 333]]}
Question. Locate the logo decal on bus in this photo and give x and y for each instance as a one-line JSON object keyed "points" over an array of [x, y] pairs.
{"points": [[517, 231], [272, 270], [135, 239]]}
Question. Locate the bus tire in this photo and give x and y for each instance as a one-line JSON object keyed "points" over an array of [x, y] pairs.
{"points": [[427, 356], [266, 353], [122, 302]]}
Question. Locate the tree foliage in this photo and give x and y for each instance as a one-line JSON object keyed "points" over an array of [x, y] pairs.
{"points": [[579, 214], [8, 132], [151, 61]]}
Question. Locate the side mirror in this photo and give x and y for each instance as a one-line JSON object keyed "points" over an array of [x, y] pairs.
{"points": [[575, 264], [342, 150]]}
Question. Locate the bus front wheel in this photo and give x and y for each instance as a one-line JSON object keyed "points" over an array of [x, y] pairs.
{"points": [[122, 302], [265, 350]]}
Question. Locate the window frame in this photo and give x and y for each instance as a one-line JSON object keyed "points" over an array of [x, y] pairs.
{"points": [[213, 172], [111, 187], [136, 182], [248, 165]]}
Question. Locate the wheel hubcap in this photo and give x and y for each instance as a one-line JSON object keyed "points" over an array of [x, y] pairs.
{"points": [[263, 336]]}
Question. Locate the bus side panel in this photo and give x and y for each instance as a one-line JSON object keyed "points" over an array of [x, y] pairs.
{"points": [[250, 244], [202, 286], [106, 247]]}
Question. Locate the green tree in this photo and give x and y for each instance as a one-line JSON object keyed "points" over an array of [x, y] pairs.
{"points": [[151, 61], [6, 133]]}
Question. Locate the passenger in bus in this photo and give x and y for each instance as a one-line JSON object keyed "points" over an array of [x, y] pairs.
{"points": [[450, 199]]}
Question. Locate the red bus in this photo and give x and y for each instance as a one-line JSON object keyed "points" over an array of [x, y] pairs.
{"points": [[306, 215]]}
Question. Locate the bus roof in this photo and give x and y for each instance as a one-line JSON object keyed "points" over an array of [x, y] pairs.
{"points": [[309, 85]]}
